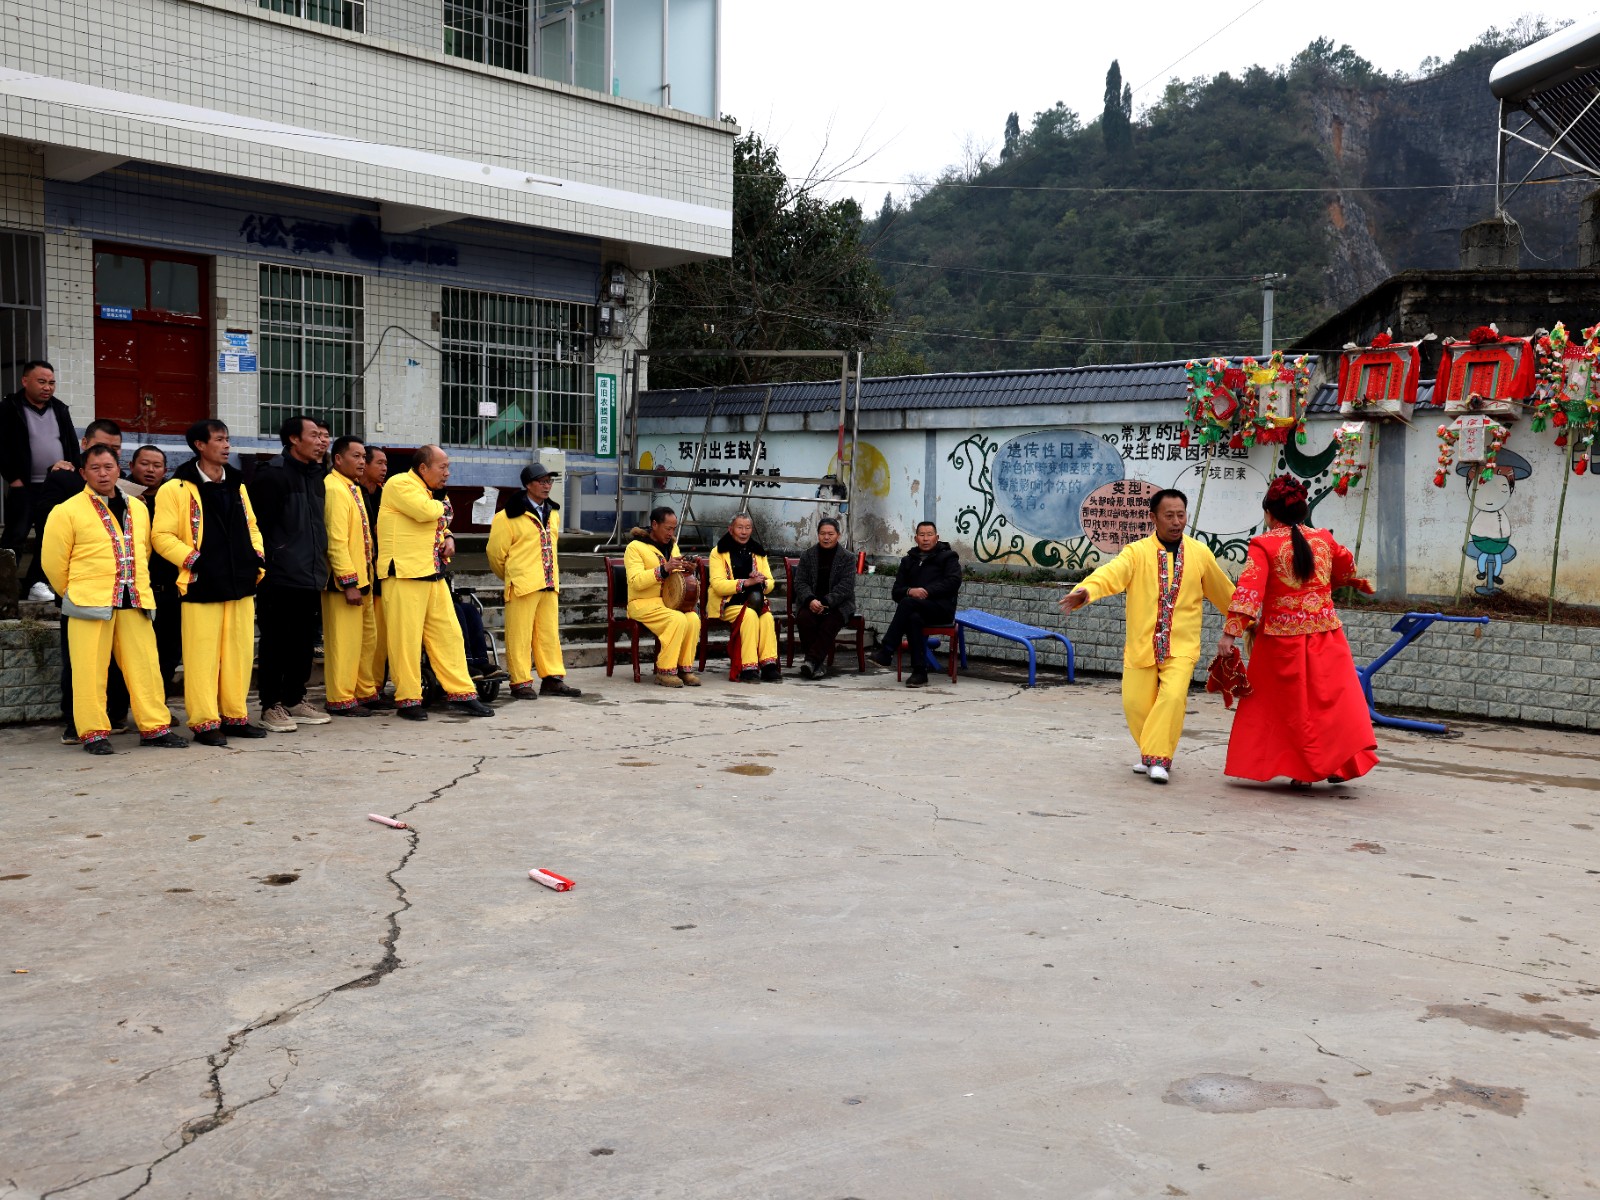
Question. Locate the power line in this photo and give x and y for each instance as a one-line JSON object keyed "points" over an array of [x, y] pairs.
{"points": [[1196, 49], [894, 262]]}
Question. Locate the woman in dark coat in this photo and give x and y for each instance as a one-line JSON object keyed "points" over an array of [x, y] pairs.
{"points": [[824, 597]]}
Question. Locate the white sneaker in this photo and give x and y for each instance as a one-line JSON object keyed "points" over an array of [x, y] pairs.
{"points": [[277, 719], [308, 714], [1158, 774], [41, 591], [1139, 768]]}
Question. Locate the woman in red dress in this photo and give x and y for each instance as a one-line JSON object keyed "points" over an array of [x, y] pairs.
{"points": [[1306, 716]]}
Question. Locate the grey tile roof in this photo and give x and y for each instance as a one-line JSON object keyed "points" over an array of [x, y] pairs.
{"points": [[1118, 382], [1325, 400]]}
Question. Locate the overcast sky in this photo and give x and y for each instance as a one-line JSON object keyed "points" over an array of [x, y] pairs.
{"points": [[913, 79]]}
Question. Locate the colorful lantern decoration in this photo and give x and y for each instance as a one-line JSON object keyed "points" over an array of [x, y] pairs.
{"points": [[1348, 468], [1380, 380], [1472, 439], [1567, 396], [1214, 389], [1487, 373], [1277, 399]]}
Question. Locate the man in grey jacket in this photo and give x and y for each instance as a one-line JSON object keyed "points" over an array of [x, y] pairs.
{"points": [[287, 494]]}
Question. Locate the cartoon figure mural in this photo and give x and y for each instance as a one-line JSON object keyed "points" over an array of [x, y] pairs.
{"points": [[1489, 536]]}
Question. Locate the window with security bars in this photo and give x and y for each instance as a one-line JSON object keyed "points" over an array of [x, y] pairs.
{"points": [[21, 305], [518, 372], [493, 32], [311, 348], [343, 14]]}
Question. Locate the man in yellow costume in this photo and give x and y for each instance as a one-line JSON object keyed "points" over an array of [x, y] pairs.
{"points": [[96, 554], [652, 555], [375, 665], [740, 581], [415, 548], [349, 624], [206, 529], [1166, 576], [523, 551]]}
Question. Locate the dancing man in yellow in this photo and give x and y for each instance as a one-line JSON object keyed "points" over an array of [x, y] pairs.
{"points": [[1166, 576], [349, 622], [740, 581], [651, 556], [416, 546], [206, 528], [523, 552], [96, 555]]}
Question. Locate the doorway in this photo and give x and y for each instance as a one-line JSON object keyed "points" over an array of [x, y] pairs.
{"points": [[152, 338]]}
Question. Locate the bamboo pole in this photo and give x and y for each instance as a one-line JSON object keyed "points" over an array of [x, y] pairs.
{"points": [[1366, 491], [1205, 473], [1561, 512], [1466, 536]]}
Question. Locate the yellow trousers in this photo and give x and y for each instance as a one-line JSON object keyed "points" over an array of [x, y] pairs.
{"points": [[533, 637], [218, 651], [418, 613], [1153, 700], [374, 658], [679, 633], [130, 638], [758, 637], [349, 632]]}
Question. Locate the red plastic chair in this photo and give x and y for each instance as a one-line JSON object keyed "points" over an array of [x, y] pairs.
{"points": [[617, 620], [932, 631]]}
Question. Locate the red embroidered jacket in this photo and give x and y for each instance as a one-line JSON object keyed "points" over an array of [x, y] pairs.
{"points": [[1269, 597]]}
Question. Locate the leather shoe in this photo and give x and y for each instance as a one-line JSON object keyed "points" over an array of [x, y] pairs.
{"points": [[472, 708], [918, 679], [555, 685], [98, 746], [167, 741], [211, 737], [246, 730], [357, 711], [412, 712]]}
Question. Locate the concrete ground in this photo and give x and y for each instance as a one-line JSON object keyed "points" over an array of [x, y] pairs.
{"points": [[827, 941]]}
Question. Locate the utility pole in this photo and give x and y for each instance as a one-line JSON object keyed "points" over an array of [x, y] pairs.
{"points": [[1267, 285]]}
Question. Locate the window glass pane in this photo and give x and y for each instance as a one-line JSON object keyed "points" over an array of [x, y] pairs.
{"points": [[589, 62], [175, 287], [119, 281], [311, 348], [692, 55], [637, 32], [553, 49]]}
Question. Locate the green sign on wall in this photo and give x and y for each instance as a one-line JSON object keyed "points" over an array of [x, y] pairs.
{"points": [[605, 416]]}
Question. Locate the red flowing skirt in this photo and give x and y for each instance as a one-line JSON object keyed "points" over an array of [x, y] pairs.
{"points": [[1306, 716]]}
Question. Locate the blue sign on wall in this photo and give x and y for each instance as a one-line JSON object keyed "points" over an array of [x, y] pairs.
{"points": [[115, 312], [1041, 479]]}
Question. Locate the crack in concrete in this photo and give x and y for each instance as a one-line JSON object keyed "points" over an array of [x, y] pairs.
{"points": [[222, 1112]]}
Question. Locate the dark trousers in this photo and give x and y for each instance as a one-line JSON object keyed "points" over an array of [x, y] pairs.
{"points": [[470, 617], [289, 619], [818, 632], [25, 514], [169, 630], [116, 690], [910, 616]]}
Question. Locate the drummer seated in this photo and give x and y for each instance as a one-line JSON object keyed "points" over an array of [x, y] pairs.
{"points": [[651, 557], [740, 581]]}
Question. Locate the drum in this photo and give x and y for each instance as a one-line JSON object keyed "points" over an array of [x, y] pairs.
{"points": [[681, 590]]}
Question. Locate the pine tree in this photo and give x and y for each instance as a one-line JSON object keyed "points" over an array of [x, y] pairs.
{"points": [[1013, 136], [1116, 121]]}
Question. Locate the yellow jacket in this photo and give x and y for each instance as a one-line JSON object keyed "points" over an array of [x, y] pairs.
{"points": [[344, 512], [522, 551], [79, 553], [1137, 571], [641, 559], [723, 584], [411, 529], [178, 527]]}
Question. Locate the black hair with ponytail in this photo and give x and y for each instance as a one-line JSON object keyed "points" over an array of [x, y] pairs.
{"points": [[1286, 502]]}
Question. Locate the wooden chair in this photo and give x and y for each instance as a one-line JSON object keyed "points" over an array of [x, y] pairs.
{"points": [[702, 568], [856, 625], [933, 631], [618, 622]]}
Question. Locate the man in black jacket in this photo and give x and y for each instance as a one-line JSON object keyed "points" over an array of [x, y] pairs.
{"points": [[925, 590], [36, 437], [287, 495]]}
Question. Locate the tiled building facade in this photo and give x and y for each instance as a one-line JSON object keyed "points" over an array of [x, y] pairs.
{"points": [[404, 215]]}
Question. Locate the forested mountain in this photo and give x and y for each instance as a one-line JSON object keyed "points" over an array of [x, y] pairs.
{"points": [[1101, 242]]}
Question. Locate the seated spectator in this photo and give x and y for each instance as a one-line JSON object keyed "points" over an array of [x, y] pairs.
{"points": [[924, 593], [740, 581], [824, 597]]}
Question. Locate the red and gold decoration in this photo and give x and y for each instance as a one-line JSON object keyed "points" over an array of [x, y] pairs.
{"points": [[1348, 469], [1213, 388], [1276, 403], [1380, 380], [1487, 373], [1567, 395]]}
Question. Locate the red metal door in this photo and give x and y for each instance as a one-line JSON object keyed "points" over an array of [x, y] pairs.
{"points": [[152, 338]]}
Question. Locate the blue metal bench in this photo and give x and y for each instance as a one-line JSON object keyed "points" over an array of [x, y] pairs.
{"points": [[1012, 631], [1410, 627]]}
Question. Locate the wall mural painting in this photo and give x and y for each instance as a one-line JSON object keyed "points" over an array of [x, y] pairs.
{"points": [[1069, 498]]}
